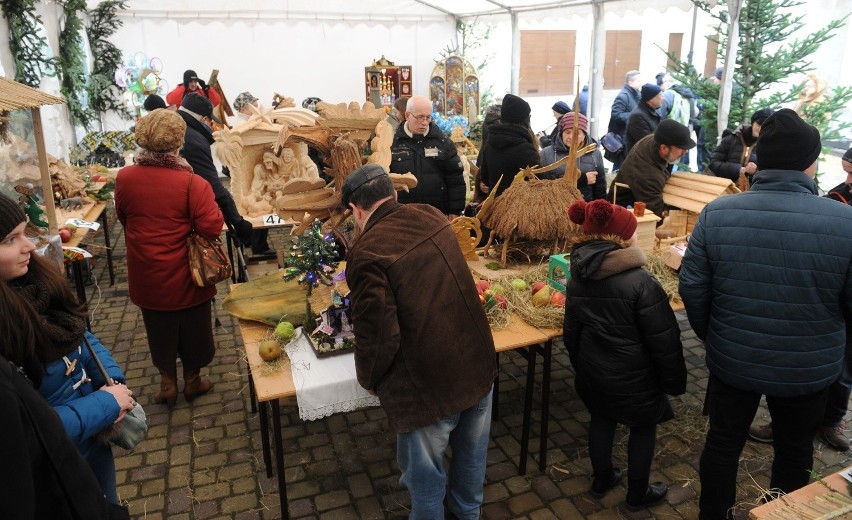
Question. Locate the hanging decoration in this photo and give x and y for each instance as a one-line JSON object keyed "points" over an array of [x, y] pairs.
{"points": [[103, 92], [72, 58], [141, 77], [313, 260], [25, 43]]}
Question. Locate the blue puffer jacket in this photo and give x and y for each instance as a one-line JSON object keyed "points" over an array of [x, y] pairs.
{"points": [[765, 280], [84, 411]]}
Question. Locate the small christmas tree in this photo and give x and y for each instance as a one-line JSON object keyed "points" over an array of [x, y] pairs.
{"points": [[313, 260]]}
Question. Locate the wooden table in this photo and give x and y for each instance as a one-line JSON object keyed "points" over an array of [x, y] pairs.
{"points": [[267, 386], [236, 249], [829, 495], [97, 212]]}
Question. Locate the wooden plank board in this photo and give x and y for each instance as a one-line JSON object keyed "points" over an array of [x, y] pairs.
{"points": [[517, 334], [793, 504], [702, 187], [93, 215], [271, 381], [689, 193], [707, 179]]}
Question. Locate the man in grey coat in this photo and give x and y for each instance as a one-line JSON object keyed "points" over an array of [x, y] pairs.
{"points": [[766, 281]]}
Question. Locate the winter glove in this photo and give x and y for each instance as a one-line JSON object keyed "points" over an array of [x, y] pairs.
{"points": [[243, 229]]}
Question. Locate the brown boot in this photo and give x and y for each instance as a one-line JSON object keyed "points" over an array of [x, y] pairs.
{"points": [[168, 390], [194, 386]]}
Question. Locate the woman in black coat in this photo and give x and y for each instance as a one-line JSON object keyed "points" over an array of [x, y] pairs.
{"points": [[624, 344], [511, 145], [735, 154]]}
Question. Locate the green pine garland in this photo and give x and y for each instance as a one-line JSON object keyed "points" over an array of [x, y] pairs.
{"points": [[26, 45], [313, 259], [104, 94], [72, 82]]}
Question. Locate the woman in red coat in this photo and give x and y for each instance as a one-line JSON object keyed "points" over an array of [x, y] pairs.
{"points": [[158, 201]]}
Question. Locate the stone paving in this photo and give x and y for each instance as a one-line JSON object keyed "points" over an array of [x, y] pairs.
{"points": [[203, 460]]}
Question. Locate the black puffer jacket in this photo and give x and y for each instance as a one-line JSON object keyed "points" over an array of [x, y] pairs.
{"points": [[434, 160], [643, 121], [734, 151], [509, 148], [621, 335]]}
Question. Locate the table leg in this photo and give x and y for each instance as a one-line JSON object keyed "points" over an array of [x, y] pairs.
{"points": [[264, 438], [110, 268], [547, 355], [525, 432], [279, 459], [495, 394], [252, 396]]}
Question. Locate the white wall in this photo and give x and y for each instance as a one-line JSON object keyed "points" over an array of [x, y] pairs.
{"points": [[296, 58]]}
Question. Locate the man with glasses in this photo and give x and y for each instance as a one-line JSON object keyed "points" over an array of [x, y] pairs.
{"points": [[648, 166], [419, 147]]}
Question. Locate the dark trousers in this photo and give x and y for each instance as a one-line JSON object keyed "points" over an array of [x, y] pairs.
{"points": [[640, 449], [795, 421], [187, 333], [838, 399], [258, 240]]}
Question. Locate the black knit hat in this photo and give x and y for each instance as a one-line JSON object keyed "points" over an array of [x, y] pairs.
{"points": [[786, 142], [649, 91], [847, 156], [198, 104], [761, 115], [189, 76], [515, 109], [561, 107], [153, 102], [11, 215], [671, 133]]}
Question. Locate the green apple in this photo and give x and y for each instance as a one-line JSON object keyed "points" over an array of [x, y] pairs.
{"points": [[498, 289], [285, 331], [519, 285]]}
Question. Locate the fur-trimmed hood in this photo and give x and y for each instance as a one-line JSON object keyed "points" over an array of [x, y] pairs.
{"points": [[602, 256]]}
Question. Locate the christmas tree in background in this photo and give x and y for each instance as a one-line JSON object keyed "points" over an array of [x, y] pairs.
{"points": [[313, 260]]}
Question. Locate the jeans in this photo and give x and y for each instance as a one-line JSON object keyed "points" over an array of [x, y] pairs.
{"points": [[420, 455], [795, 421]]}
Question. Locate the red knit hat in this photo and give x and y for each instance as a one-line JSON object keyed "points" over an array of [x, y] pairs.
{"points": [[567, 122], [599, 217]]}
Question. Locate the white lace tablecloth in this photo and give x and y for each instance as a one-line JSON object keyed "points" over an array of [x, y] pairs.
{"points": [[325, 386]]}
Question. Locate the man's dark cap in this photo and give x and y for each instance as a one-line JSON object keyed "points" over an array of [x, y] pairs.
{"points": [[671, 133], [359, 177], [787, 142], [195, 102]]}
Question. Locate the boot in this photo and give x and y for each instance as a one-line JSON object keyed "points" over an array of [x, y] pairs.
{"points": [[605, 481], [194, 386], [638, 498], [168, 390]]}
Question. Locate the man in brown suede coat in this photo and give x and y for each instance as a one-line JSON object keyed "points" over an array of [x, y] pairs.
{"points": [[423, 343]]}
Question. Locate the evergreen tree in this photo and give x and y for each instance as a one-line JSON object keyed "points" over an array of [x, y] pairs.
{"points": [[313, 260], [770, 51]]}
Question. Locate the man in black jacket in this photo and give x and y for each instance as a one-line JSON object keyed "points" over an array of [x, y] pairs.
{"points": [[197, 111], [421, 148], [624, 103], [645, 117]]}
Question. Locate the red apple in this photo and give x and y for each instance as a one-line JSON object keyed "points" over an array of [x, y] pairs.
{"points": [[502, 302], [483, 285], [557, 299], [536, 287], [65, 234]]}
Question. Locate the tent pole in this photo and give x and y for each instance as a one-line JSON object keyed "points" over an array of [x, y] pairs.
{"points": [[596, 73], [516, 53]]}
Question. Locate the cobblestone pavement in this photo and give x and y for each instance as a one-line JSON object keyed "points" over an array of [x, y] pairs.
{"points": [[203, 460]]}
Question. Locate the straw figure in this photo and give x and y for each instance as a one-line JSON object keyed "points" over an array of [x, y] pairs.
{"points": [[533, 208]]}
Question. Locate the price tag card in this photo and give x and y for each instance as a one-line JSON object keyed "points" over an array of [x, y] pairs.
{"points": [[272, 220], [78, 222]]}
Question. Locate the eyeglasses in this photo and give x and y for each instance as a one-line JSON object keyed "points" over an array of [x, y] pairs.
{"points": [[422, 119]]}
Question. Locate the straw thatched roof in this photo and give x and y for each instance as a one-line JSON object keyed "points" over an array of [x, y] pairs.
{"points": [[17, 96]]}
